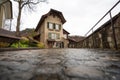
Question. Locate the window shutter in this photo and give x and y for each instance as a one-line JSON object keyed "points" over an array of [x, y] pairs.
{"points": [[58, 36], [48, 25], [54, 26], [59, 27], [49, 35]]}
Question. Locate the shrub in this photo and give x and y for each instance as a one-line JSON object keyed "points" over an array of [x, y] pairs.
{"points": [[19, 44], [40, 45], [14, 45], [23, 43], [24, 40]]}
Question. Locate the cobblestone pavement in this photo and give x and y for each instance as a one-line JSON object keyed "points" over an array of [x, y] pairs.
{"points": [[60, 64]]}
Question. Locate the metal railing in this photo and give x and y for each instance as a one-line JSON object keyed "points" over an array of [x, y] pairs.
{"points": [[113, 30], [109, 12]]}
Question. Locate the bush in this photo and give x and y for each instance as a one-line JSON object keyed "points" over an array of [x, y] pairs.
{"points": [[23, 43], [19, 44], [14, 45], [24, 40], [40, 45]]}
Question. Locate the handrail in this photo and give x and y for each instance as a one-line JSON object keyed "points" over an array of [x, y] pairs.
{"points": [[103, 17]]}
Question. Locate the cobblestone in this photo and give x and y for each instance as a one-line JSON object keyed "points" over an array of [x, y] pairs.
{"points": [[60, 64]]}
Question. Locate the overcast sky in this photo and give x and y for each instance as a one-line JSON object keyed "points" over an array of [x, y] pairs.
{"points": [[80, 15]]}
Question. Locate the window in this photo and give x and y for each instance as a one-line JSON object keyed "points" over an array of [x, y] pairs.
{"points": [[65, 36], [49, 35], [50, 25], [57, 27], [53, 26], [53, 36]]}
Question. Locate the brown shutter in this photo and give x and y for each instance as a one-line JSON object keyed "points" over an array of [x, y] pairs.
{"points": [[48, 25], [54, 26], [59, 27]]}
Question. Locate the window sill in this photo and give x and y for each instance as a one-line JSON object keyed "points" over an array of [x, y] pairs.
{"points": [[51, 29], [57, 30]]}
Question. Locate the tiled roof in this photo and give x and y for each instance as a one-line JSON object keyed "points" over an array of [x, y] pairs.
{"points": [[9, 34], [65, 32]]}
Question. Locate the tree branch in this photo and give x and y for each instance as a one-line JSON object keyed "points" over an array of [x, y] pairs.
{"points": [[31, 2]]}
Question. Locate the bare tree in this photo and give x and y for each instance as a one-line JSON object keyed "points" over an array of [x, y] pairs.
{"points": [[22, 3]]}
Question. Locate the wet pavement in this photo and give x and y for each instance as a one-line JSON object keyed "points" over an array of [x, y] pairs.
{"points": [[60, 64]]}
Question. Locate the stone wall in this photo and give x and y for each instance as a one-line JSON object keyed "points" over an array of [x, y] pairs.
{"points": [[103, 37]]}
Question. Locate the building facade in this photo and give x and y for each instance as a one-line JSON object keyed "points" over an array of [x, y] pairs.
{"points": [[50, 30], [74, 41]]}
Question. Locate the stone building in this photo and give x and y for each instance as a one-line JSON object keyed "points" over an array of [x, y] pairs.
{"points": [[107, 36], [65, 38], [74, 41], [50, 30]]}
